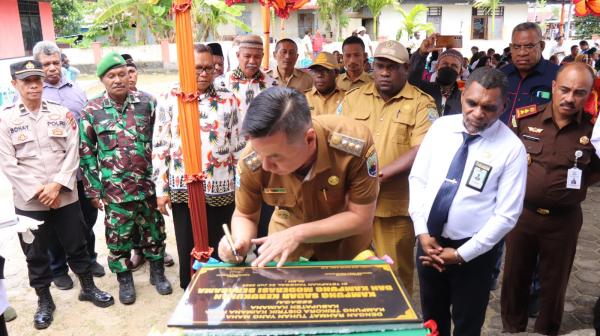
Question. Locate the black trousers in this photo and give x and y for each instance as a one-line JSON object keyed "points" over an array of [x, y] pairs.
{"points": [[551, 242], [58, 259], [597, 317], [460, 294], [3, 331], [67, 224], [184, 238]]}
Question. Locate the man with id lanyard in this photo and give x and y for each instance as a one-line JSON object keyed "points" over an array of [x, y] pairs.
{"points": [[466, 193], [562, 164]]}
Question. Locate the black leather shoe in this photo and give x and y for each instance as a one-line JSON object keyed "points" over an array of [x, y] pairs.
{"points": [[126, 287], [89, 292], [43, 315], [169, 260], [97, 270], [63, 282], [158, 279]]}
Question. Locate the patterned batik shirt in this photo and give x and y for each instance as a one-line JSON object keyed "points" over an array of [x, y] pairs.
{"points": [[246, 88], [221, 146]]}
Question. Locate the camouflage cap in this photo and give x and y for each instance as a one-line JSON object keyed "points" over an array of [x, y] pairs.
{"points": [[24, 69], [251, 41], [108, 62], [326, 60], [392, 50]]}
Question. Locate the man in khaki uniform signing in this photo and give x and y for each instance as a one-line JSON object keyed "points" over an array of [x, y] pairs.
{"points": [[324, 97], [320, 174], [398, 115]]}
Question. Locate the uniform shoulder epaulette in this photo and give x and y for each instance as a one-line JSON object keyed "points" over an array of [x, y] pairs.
{"points": [[527, 111], [8, 106], [251, 160], [53, 102], [354, 89], [346, 143]]}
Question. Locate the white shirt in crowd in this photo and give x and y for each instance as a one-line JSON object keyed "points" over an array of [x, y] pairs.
{"points": [[368, 43], [560, 50], [3, 297], [596, 137], [486, 216]]}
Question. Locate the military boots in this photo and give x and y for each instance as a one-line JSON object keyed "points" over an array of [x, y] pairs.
{"points": [[126, 287], [89, 292], [158, 279], [43, 315]]}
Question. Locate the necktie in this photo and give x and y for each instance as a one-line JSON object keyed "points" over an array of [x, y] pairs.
{"points": [[438, 215]]}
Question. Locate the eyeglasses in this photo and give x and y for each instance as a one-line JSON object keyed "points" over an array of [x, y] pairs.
{"points": [[208, 70], [525, 46]]}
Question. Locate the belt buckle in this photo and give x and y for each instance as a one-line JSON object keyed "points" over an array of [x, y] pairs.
{"points": [[542, 211]]}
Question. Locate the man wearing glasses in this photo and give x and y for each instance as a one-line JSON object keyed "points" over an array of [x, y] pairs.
{"points": [[529, 85], [529, 76]]}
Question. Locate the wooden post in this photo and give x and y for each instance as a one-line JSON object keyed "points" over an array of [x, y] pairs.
{"points": [[267, 30], [164, 52], [97, 50]]}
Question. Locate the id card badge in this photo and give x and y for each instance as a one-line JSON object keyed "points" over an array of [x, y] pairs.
{"points": [[479, 175], [574, 178]]}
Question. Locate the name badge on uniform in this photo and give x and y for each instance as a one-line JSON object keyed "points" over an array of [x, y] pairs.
{"points": [[574, 174], [275, 190], [479, 175]]}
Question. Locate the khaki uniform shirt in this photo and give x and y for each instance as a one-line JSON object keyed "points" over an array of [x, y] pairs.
{"points": [[299, 80], [343, 82], [345, 169], [397, 126], [320, 104], [551, 153], [37, 149]]}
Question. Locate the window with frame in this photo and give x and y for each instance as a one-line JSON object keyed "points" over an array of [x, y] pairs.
{"points": [[31, 26], [434, 16], [481, 24]]}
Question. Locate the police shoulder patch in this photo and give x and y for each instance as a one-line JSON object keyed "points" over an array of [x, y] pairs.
{"points": [[372, 167], [432, 114], [346, 143], [251, 160], [527, 111]]}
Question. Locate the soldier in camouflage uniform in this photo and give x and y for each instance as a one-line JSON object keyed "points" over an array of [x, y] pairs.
{"points": [[115, 150]]}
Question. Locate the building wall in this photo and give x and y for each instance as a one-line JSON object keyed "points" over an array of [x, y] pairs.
{"points": [[10, 30], [46, 20], [456, 20]]}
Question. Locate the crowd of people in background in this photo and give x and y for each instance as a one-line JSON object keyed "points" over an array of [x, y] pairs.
{"points": [[122, 152]]}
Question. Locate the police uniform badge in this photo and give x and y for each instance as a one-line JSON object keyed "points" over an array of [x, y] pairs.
{"points": [[584, 140], [54, 116]]}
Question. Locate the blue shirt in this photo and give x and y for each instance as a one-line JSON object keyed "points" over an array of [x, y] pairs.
{"points": [[67, 94], [535, 89]]}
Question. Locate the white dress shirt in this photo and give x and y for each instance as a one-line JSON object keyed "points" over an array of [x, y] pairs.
{"points": [[485, 216], [596, 137]]}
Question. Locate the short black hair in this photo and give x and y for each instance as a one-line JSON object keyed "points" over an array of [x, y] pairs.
{"points": [[525, 26], [353, 40], [277, 109], [574, 46], [489, 78], [491, 51], [283, 41], [215, 48], [583, 42], [200, 48]]}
